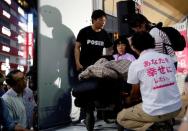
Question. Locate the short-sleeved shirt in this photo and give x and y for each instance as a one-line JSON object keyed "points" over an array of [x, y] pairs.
{"points": [[155, 72], [92, 44], [16, 107]]}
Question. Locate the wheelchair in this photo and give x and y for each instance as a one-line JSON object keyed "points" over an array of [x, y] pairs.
{"points": [[101, 94]]}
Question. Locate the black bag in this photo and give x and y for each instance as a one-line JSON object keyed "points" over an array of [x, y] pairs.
{"points": [[178, 42]]}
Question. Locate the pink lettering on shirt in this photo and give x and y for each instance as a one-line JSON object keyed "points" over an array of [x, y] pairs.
{"points": [[151, 72], [163, 86], [161, 79], [162, 69], [155, 62]]}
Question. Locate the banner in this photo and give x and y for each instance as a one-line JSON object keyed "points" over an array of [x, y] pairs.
{"points": [[182, 56]]}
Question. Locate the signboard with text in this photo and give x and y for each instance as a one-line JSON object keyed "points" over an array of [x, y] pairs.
{"points": [[182, 56]]}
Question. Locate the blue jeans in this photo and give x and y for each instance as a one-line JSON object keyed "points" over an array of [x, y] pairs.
{"points": [[5, 119]]}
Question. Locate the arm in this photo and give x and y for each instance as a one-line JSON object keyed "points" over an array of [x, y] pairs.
{"points": [[135, 95], [135, 91], [77, 56], [184, 124], [20, 128], [108, 51]]}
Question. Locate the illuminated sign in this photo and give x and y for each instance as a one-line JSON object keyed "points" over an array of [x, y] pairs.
{"points": [[20, 53], [6, 31], [8, 1], [21, 68], [30, 23], [182, 55], [30, 39], [20, 39], [5, 48], [6, 14], [23, 26], [5, 66], [21, 11]]}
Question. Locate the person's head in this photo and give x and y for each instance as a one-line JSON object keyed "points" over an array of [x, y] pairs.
{"points": [[139, 23], [98, 18], [120, 45], [16, 80], [141, 41]]}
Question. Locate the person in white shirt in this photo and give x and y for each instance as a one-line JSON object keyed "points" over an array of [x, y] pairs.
{"points": [[14, 97], [154, 74]]}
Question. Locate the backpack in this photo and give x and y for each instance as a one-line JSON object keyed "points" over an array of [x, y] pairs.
{"points": [[177, 40]]}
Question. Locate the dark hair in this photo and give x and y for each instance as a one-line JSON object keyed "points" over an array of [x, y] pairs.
{"points": [[136, 20], [121, 40], [97, 14], [142, 41], [186, 78], [9, 78]]}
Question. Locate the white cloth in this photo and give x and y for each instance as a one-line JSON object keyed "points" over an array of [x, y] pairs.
{"points": [[155, 72]]}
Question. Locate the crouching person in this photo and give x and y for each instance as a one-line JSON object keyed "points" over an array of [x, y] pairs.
{"points": [[154, 74]]}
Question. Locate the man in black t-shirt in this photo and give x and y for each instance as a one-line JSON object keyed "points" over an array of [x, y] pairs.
{"points": [[89, 45], [91, 40]]}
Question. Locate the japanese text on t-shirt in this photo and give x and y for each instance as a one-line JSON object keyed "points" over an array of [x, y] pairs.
{"points": [[157, 67]]}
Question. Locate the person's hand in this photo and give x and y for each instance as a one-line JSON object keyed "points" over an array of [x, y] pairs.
{"points": [[18, 127], [186, 88], [79, 67]]}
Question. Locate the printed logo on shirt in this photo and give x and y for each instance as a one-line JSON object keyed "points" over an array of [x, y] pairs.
{"points": [[95, 42], [161, 69]]}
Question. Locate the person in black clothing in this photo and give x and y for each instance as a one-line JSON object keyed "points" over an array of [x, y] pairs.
{"points": [[90, 43], [91, 39]]}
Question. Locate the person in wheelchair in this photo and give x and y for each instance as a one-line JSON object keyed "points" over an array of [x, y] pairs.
{"points": [[154, 75], [101, 83], [121, 46]]}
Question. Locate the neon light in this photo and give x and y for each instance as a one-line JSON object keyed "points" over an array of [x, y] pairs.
{"points": [[6, 14], [5, 66], [6, 31], [20, 53], [20, 39], [23, 26], [21, 68], [30, 23], [21, 11], [5, 48], [8, 1]]}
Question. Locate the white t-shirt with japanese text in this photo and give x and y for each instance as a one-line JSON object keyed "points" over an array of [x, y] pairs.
{"points": [[155, 72]]}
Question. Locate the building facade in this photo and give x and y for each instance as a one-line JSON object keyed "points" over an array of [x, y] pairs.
{"points": [[14, 37]]}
